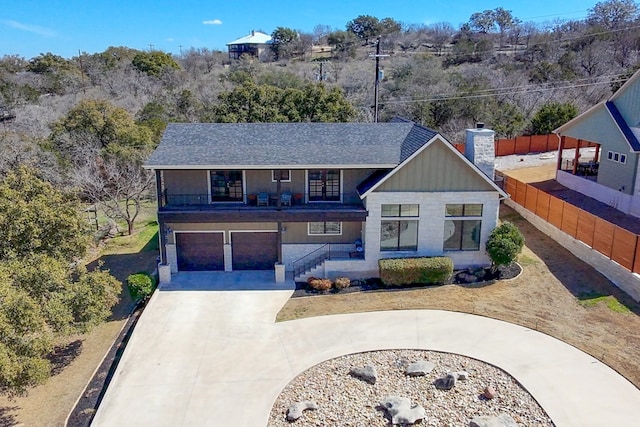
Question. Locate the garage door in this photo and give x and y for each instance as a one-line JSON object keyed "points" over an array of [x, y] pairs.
{"points": [[200, 251], [254, 251]]}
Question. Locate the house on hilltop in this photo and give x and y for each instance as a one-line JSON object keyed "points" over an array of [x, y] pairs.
{"points": [[255, 44], [613, 176], [328, 199]]}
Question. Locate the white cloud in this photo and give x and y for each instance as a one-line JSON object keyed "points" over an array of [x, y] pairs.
{"points": [[170, 39], [212, 22], [30, 28]]}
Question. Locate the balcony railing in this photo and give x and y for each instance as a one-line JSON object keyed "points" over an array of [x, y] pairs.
{"points": [[259, 201]]}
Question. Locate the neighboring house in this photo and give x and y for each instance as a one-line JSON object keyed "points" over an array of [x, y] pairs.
{"points": [[331, 196], [613, 176], [255, 44]]}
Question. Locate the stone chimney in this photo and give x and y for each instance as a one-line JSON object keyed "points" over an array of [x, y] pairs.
{"points": [[479, 149]]}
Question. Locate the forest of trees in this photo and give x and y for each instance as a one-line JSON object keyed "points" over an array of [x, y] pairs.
{"points": [[80, 128]]}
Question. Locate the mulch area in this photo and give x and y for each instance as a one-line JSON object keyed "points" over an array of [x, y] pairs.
{"points": [[467, 277], [86, 407]]}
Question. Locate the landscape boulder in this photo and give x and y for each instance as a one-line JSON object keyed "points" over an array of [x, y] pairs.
{"points": [[367, 373], [502, 420], [401, 411], [295, 411], [489, 392], [446, 383], [419, 368]]}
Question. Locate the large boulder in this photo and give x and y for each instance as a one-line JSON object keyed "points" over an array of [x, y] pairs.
{"points": [[295, 411], [367, 373], [446, 383], [401, 411], [419, 368], [502, 420]]}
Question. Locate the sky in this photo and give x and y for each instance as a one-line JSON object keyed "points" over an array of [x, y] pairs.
{"points": [[67, 27]]}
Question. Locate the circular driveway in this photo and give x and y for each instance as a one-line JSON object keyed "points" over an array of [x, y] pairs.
{"points": [[207, 352]]}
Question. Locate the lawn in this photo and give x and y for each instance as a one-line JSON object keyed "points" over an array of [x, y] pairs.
{"points": [[49, 404], [557, 294]]}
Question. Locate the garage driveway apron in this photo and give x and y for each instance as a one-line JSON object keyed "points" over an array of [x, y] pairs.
{"points": [[206, 352]]}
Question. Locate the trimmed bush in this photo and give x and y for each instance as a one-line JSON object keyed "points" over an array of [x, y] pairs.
{"points": [[504, 244], [406, 271], [320, 284], [342, 282], [140, 285]]}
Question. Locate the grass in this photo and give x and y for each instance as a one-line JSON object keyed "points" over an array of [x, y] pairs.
{"points": [[593, 298], [525, 260]]}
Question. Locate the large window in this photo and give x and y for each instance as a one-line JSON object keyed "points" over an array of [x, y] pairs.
{"points": [[324, 185], [462, 234], [324, 228], [409, 210], [226, 186], [399, 236], [285, 175]]}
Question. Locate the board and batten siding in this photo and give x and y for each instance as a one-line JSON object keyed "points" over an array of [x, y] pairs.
{"points": [[436, 168], [627, 103], [186, 181]]}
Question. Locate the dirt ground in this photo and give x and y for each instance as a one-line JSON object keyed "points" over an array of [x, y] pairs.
{"points": [[49, 404], [557, 294]]}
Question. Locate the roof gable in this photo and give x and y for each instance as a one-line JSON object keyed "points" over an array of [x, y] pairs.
{"points": [[255, 37], [436, 167]]}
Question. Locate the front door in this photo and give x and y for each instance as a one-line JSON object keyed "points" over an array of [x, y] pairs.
{"points": [[324, 185]]}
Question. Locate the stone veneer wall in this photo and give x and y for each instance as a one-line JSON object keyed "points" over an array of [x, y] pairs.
{"points": [[624, 279]]}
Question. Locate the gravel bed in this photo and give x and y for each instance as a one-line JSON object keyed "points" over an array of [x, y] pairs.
{"points": [[344, 400]]}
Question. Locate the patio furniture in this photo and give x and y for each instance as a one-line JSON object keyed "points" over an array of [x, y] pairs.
{"points": [[285, 198], [263, 199]]}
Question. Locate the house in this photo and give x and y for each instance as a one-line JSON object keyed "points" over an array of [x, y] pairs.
{"points": [[327, 199], [613, 175], [255, 44]]}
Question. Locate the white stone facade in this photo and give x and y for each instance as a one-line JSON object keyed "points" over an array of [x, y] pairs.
{"points": [[479, 148]]}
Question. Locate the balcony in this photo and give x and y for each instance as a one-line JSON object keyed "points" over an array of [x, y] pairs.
{"points": [[264, 207]]}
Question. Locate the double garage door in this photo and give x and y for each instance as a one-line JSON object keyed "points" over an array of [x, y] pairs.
{"points": [[205, 251]]}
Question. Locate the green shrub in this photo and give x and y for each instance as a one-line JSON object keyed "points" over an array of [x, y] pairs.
{"points": [[140, 285], [405, 271], [342, 282], [504, 244]]}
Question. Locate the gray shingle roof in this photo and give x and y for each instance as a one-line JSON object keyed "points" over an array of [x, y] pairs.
{"points": [[288, 144]]}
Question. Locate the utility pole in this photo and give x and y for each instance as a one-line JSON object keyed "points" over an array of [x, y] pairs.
{"points": [[377, 84]]}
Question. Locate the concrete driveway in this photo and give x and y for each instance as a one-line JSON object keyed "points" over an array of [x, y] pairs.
{"points": [[206, 352]]}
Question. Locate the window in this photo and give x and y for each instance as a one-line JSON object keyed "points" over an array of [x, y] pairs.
{"points": [[226, 186], [324, 228], [324, 185], [463, 210], [400, 210], [285, 175], [462, 234], [617, 157], [399, 235]]}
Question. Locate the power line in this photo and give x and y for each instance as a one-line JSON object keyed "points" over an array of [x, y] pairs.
{"points": [[524, 89]]}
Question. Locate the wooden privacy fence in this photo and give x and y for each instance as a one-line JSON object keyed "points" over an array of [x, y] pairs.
{"points": [[616, 243], [531, 144]]}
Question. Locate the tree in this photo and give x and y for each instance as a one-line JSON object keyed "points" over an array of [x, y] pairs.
{"points": [[483, 22], [281, 40], [551, 116], [504, 244], [505, 21], [249, 102], [343, 42], [46, 294], [154, 63], [36, 218], [613, 14], [366, 27]]}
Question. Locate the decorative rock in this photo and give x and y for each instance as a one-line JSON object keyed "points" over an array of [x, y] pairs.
{"points": [[367, 373], [295, 411], [401, 411], [446, 383], [460, 375], [502, 420], [419, 368], [489, 392]]}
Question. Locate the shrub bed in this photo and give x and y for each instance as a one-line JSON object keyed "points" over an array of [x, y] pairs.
{"points": [[320, 284], [342, 282], [406, 271], [140, 285]]}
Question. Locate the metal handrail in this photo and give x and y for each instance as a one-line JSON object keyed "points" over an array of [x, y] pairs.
{"points": [[311, 259]]}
